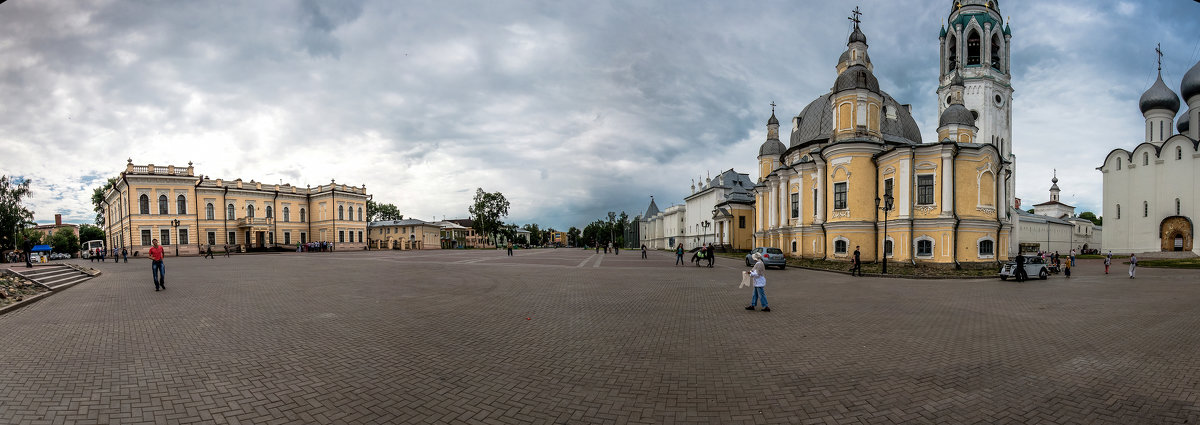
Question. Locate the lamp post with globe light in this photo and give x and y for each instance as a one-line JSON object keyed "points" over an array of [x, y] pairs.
{"points": [[887, 206]]}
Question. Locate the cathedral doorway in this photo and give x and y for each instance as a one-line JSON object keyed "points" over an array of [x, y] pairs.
{"points": [[1176, 234]]}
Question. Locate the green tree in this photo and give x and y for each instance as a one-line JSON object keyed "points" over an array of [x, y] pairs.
{"points": [[382, 212], [13, 215], [64, 241], [98, 200], [487, 210], [1091, 216], [89, 232], [29, 237], [573, 234], [535, 234]]}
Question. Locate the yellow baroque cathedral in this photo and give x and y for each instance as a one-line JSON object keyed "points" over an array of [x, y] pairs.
{"points": [[857, 174]]}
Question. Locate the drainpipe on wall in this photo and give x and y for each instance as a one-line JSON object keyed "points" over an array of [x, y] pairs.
{"points": [[125, 179], [275, 215], [225, 222], [954, 203], [196, 210], [912, 203], [1000, 203], [875, 163]]}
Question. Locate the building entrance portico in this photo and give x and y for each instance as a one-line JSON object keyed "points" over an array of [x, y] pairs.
{"points": [[1176, 233]]}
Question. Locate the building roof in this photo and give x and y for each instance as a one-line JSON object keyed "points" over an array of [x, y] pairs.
{"points": [[956, 114], [816, 122], [856, 77], [652, 210], [1190, 86], [1159, 96], [1035, 218], [405, 222]]}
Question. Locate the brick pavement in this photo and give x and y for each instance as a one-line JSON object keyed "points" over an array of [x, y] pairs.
{"points": [[442, 337]]}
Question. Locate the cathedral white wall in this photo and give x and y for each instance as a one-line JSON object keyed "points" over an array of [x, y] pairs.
{"points": [[699, 210], [1159, 184]]}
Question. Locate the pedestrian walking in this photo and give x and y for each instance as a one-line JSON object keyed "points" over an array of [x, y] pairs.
{"points": [[1067, 269], [607, 247], [510, 250], [1072, 257], [1132, 265], [597, 247], [125, 255], [760, 284], [1107, 261], [226, 250], [617, 249], [679, 255], [710, 251], [208, 253], [857, 266], [116, 258], [643, 251], [156, 266]]}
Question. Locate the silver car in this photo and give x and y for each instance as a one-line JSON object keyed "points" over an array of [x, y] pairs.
{"points": [[1034, 267], [772, 257]]}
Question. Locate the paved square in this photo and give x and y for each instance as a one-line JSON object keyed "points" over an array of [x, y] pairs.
{"points": [[568, 336]]}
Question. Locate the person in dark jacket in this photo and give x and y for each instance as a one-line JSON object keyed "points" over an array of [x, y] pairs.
{"points": [[710, 251], [857, 265]]}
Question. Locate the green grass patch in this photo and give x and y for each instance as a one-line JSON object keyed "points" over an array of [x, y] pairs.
{"points": [[1171, 263]]}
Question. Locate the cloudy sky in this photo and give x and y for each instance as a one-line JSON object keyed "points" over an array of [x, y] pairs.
{"points": [[570, 108]]}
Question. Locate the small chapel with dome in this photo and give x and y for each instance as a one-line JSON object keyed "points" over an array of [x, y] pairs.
{"points": [[855, 171], [1152, 192]]}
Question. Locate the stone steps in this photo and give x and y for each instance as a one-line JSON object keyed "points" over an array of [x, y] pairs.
{"points": [[55, 277]]}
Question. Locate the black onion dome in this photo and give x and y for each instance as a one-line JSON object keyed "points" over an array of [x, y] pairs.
{"points": [[1191, 82], [1159, 96], [1184, 123], [773, 120], [956, 114], [856, 77], [772, 147], [858, 36]]}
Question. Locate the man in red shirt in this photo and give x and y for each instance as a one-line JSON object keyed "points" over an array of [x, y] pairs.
{"points": [[156, 267]]}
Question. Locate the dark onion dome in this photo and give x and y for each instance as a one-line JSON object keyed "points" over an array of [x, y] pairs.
{"points": [[858, 36], [772, 147], [1184, 123], [773, 120], [956, 114], [856, 77], [816, 123], [1191, 82], [1160, 97]]}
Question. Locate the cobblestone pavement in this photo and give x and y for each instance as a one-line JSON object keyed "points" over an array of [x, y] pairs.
{"points": [[569, 336]]}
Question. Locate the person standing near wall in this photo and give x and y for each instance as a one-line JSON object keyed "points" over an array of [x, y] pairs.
{"points": [[1132, 265]]}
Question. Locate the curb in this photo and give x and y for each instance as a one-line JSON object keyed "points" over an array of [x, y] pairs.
{"points": [[13, 307]]}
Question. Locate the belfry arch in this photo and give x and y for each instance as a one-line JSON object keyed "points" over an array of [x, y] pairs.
{"points": [[1176, 233]]}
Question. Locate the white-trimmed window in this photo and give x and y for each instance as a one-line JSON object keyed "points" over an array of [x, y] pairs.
{"points": [[212, 238], [162, 205], [1118, 163], [229, 213], [287, 216], [888, 246], [250, 211], [925, 189], [841, 246], [795, 205], [1145, 158], [1145, 209], [1178, 153], [924, 247], [180, 205], [987, 247], [1118, 211], [144, 206], [208, 211], [302, 217], [839, 196]]}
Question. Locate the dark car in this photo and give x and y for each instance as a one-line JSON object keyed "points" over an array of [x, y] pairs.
{"points": [[772, 257]]}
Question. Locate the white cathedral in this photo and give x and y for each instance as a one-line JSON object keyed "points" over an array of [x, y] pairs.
{"points": [[1152, 192]]}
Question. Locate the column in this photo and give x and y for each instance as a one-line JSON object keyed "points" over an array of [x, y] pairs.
{"points": [[1001, 196], [947, 173], [820, 193]]}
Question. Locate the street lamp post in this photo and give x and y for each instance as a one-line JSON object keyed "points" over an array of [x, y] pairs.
{"points": [[887, 207], [704, 224], [175, 225]]}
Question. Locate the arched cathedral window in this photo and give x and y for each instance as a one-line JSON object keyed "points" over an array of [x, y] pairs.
{"points": [[973, 54], [1178, 153], [1118, 163], [996, 52], [952, 56], [1118, 211], [1145, 209], [1145, 158], [1177, 207]]}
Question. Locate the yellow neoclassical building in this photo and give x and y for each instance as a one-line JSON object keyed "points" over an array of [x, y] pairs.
{"points": [[855, 147], [187, 213]]}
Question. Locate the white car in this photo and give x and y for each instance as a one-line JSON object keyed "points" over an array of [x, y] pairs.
{"points": [[1034, 266]]}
